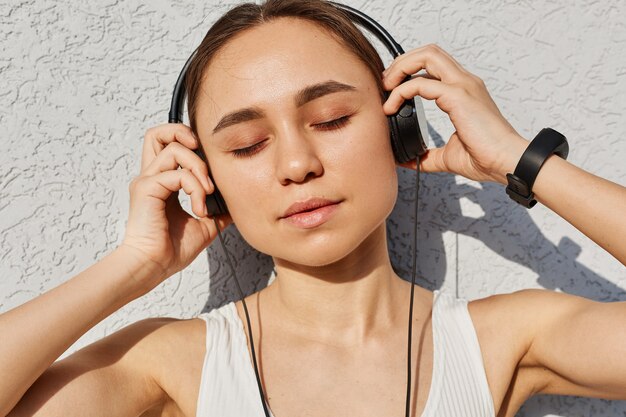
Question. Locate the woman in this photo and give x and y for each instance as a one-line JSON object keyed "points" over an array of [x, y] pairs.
{"points": [[337, 309]]}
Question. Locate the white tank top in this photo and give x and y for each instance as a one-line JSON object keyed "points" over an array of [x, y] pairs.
{"points": [[459, 386]]}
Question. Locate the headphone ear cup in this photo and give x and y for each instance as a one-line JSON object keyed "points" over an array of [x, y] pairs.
{"points": [[215, 203], [407, 131], [394, 137]]}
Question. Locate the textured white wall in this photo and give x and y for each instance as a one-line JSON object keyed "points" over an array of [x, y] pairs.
{"points": [[81, 82]]}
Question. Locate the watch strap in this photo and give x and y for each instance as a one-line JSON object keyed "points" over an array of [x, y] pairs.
{"points": [[520, 183]]}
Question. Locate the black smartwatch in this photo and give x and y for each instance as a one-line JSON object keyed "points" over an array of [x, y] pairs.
{"points": [[546, 143]]}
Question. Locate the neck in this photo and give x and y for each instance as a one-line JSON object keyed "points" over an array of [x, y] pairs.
{"points": [[346, 302]]}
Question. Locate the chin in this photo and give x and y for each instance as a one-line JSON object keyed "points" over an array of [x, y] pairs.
{"points": [[316, 255], [323, 247]]}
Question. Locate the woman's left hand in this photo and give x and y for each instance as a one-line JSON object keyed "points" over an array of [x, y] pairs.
{"points": [[484, 147]]}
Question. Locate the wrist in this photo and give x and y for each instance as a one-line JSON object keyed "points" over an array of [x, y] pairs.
{"points": [[547, 143], [509, 158], [139, 273]]}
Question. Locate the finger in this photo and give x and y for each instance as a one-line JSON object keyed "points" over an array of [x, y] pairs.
{"points": [[158, 137], [431, 58], [446, 56], [175, 155], [431, 161], [419, 86], [164, 184], [222, 220]]}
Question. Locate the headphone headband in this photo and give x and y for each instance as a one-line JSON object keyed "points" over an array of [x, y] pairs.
{"points": [[372, 26], [178, 97]]}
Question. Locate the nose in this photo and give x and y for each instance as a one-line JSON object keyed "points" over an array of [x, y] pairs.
{"points": [[297, 159]]}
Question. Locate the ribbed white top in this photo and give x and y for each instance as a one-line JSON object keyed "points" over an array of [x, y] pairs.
{"points": [[459, 384]]}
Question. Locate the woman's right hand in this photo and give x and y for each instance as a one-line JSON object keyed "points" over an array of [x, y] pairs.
{"points": [[158, 229]]}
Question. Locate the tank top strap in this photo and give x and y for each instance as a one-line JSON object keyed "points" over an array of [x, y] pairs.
{"points": [[459, 380], [226, 387]]}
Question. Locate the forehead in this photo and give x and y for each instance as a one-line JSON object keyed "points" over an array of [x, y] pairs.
{"points": [[271, 62]]}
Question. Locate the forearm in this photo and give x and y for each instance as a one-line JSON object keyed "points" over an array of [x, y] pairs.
{"points": [[36, 333], [595, 206]]}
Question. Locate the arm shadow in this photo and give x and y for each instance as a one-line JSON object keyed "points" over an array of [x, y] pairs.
{"points": [[506, 228]]}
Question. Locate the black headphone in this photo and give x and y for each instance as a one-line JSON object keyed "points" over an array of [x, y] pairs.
{"points": [[407, 127]]}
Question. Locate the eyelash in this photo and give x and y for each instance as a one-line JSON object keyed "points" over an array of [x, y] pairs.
{"points": [[334, 124], [330, 125]]}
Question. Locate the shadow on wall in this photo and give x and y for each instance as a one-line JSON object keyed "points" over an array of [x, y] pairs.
{"points": [[506, 228]]}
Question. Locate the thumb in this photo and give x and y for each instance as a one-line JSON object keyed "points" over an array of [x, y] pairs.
{"points": [[431, 161], [223, 221]]}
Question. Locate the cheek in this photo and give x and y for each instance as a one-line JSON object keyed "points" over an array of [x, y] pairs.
{"points": [[250, 203], [380, 187], [365, 171], [373, 156], [243, 189]]}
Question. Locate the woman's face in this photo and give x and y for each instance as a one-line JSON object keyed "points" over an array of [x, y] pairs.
{"points": [[273, 89]]}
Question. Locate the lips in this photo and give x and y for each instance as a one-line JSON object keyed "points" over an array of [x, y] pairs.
{"points": [[308, 205]]}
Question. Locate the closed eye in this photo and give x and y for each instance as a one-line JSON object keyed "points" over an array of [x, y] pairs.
{"points": [[333, 124], [249, 151], [329, 125]]}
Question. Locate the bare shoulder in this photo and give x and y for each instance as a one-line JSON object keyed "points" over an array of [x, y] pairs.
{"points": [[519, 315], [503, 340], [505, 316], [175, 356], [506, 326], [135, 369], [167, 354], [153, 346]]}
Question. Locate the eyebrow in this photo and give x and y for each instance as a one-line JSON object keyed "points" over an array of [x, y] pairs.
{"points": [[303, 96]]}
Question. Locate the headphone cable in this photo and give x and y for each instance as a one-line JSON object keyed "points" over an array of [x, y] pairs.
{"points": [[245, 309], [410, 331]]}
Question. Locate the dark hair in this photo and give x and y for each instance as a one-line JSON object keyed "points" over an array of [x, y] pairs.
{"points": [[249, 15]]}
